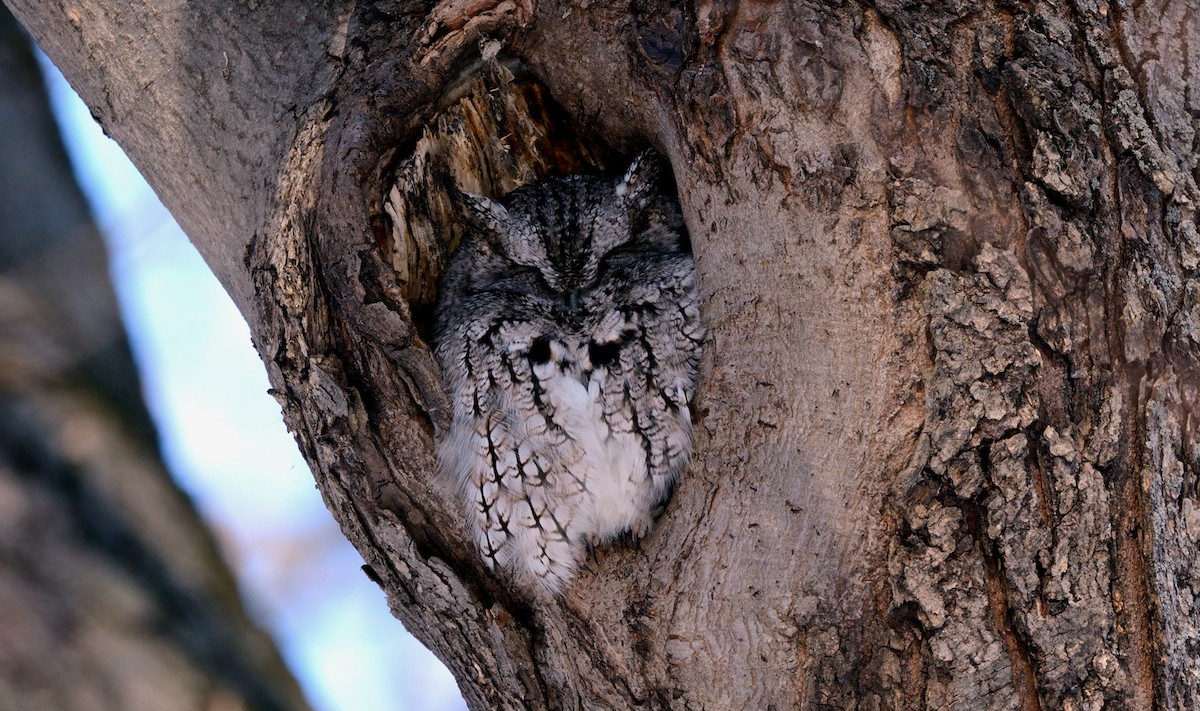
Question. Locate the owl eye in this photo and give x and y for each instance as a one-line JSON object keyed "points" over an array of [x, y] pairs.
{"points": [[506, 231]]}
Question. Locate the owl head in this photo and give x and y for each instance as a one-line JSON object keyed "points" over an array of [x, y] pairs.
{"points": [[564, 227]]}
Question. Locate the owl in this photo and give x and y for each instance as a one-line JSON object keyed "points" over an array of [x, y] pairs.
{"points": [[568, 333]]}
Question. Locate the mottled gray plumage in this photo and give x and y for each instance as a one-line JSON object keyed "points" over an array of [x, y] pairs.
{"points": [[568, 332]]}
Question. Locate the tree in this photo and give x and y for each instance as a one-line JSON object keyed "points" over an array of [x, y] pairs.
{"points": [[112, 593], [945, 445]]}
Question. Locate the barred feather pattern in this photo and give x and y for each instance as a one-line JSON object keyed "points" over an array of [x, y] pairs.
{"points": [[568, 332]]}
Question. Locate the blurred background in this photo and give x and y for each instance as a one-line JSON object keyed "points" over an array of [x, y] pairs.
{"points": [[221, 437]]}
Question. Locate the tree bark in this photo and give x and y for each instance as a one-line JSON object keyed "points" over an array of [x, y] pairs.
{"points": [[112, 592], [945, 449]]}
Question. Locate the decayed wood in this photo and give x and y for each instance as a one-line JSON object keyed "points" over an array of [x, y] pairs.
{"points": [[945, 453]]}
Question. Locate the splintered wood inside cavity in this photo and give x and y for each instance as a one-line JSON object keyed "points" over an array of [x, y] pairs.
{"points": [[504, 132]]}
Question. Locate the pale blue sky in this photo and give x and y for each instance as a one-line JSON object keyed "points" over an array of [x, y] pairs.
{"points": [[225, 442]]}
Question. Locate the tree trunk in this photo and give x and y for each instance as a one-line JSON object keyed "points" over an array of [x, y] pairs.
{"points": [[945, 452], [112, 593]]}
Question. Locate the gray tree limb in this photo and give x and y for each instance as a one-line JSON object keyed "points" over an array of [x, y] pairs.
{"points": [[112, 592]]}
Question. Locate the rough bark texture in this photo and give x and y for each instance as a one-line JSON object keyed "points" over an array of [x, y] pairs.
{"points": [[945, 451], [112, 594]]}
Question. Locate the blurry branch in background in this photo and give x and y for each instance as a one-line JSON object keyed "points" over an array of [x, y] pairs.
{"points": [[112, 593]]}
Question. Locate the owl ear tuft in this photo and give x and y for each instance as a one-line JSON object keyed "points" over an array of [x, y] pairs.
{"points": [[484, 213], [641, 180]]}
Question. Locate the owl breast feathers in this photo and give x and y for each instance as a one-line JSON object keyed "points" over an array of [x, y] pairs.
{"points": [[568, 333]]}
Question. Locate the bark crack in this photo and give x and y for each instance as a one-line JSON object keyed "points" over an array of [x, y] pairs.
{"points": [[1024, 667]]}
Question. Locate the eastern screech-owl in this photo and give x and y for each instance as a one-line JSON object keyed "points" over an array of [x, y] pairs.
{"points": [[568, 332]]}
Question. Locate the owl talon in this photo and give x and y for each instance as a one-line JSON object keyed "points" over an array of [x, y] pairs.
{"points": [[641, 528]]}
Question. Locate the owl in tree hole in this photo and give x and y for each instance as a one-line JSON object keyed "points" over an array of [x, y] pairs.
{"points": [[568, 332]]}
